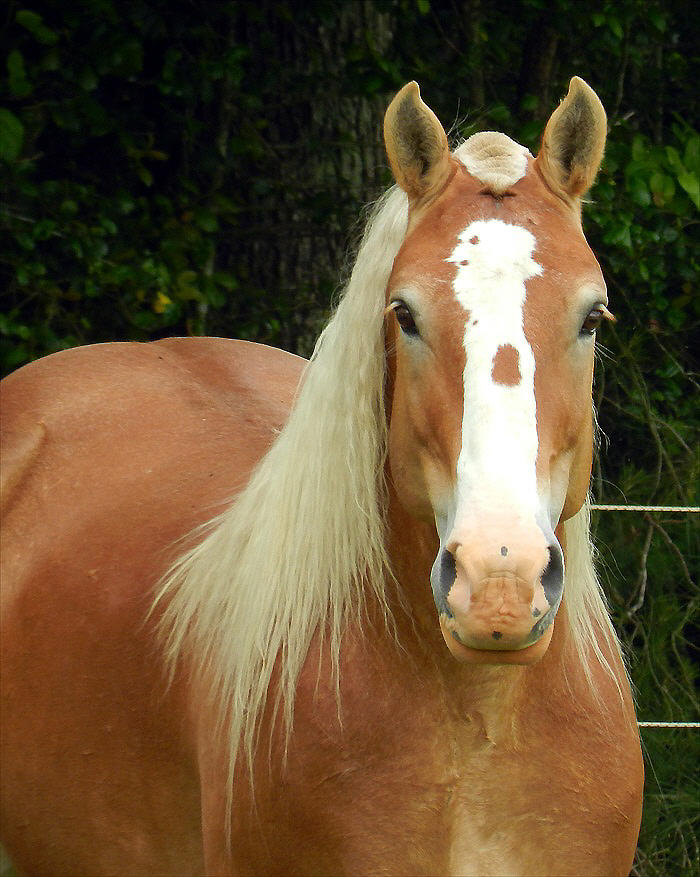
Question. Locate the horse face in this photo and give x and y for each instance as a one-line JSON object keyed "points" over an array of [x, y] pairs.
{"points": [[495, 297]]}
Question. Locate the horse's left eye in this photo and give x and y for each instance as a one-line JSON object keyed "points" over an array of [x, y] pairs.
{"points": [[592, 321]]}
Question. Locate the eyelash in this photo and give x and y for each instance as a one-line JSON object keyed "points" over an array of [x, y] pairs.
{"points": [[404, 317], [595, 319]]}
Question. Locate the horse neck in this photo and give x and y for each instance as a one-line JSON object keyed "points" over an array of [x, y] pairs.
{"points": [[494, 697], [486, 695]]}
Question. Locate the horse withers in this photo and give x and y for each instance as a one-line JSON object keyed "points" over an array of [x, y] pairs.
{"points": [[267, 617]]}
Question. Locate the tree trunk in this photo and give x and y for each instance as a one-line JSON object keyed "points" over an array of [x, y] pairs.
{"points": [[322, 148]]}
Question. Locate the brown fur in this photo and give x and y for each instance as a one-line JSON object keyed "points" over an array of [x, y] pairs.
{"points": [[505, 366]]}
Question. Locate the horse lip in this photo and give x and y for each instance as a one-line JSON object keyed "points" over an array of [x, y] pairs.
{"points": [[491, 645], [447, 622], [524, 655]]}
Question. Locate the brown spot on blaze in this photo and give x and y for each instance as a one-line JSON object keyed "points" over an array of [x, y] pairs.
{"points": [[506, 366], [474, 240]]}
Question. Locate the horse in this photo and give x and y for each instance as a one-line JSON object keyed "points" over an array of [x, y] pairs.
{"points": [[264, 616]]}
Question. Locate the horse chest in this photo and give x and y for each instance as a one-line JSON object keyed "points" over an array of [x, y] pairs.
{"points": [[413, 784], [434, 803], [487, 838], [454, 803], [534, 810]]}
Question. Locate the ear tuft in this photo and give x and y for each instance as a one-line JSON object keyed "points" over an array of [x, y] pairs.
{"points": [[416, 144], [573, 142]]}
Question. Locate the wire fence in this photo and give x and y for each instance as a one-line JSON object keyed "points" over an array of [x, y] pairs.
{"points": [[645, 508], [601, 507]]}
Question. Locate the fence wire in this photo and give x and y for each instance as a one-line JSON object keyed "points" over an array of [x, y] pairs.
{"points": [[600, 507]]}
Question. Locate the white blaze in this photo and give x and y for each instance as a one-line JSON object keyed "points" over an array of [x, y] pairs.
{"points": [[497, 462]]}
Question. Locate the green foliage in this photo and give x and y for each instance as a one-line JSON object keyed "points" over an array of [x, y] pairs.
{"points": [[187, 168], [107, 233]]}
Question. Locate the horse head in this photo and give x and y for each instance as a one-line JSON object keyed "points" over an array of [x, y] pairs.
{"points": [[492, 308]]}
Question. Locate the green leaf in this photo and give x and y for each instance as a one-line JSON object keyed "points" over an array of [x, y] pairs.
{"points": [[186, 279], [662, 188], [34, 23], [615, 27], [423, 6], [206, 220], [639, 148], [620, 236], [639, 191], [68, 207], [144, 175], [44, 229], [215, 296], [690, 184], [691, 158], [17, 76], [674, 159], [31, 20], [11, 135], [657, 18], [145, 321], [228, 281]]}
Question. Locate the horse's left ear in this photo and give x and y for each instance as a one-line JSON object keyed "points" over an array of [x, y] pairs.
{"points": [[416, 144], [573, 142]]}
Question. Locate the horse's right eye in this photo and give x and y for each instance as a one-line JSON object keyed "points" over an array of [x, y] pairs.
{"points": [[405, 318]]}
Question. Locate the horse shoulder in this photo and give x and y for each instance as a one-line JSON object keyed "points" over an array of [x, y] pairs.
{"points": [[114, 453]]}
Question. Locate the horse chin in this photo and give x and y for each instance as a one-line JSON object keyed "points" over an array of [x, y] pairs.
{"points": [[466, 655]]}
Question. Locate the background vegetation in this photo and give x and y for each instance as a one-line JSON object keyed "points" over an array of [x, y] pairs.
{"points": [[199, 168]]}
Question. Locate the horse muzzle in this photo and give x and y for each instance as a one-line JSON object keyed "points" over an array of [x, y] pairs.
{"points": [[497, 595]]}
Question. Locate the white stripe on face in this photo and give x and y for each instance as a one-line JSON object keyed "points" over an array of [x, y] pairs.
{"points": [[497, 462]]}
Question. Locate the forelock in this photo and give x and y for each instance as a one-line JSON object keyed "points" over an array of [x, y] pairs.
{"points": [[494, 159]]}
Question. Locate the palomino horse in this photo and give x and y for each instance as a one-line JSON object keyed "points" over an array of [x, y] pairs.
{"points": [[275, 693]]}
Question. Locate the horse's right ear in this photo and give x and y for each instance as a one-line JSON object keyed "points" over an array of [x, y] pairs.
{"points": [[416, 144]]}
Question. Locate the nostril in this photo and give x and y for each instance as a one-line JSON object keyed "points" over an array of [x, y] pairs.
{"points": [[442, 577], [553, 576], [448, 569]]}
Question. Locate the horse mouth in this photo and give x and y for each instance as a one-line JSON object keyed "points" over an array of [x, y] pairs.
{"points": [[499, 649], [502, 634]]}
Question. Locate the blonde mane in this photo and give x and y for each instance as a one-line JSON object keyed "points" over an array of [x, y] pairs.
{"points": [[301, 542]]}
